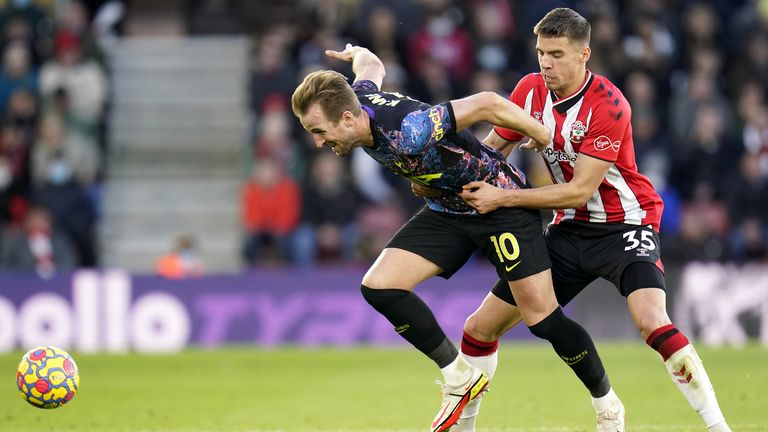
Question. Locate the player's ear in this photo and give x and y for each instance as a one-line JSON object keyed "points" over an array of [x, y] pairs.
{"points": [[586, 53], [348, 118]]}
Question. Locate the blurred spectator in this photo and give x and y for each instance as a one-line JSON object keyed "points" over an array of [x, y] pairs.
{"points": [[608, 58], [377, 224], [698, 89], [704, 228], [24, 21], [273, 75], [709, 154], [182, 261], [382, 34], [650, 46], [494, 26], [328, 230], [442, 44], [58, 146], [748, 210], [271, 205], [82, 80], [702, 27], [274, 140], [752, 62], [36, 246], [71, 207], [73, 17], [17, 72], [755, 136]]}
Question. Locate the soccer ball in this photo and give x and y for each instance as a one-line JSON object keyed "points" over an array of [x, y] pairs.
{"points": [[47, 377]]}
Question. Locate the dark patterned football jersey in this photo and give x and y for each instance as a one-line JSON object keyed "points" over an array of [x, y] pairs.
{"points": [[419, 141]]}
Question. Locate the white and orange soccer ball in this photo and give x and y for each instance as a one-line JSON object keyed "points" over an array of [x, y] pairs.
{"points": [[47, 377]]}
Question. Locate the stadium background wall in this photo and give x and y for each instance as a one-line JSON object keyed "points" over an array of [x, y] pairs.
{"points": [[114, 311]]}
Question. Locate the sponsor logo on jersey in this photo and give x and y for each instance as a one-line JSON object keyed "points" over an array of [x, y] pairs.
{"points": [[604, 143], [553, 156], [437, 123], [578, 130]]}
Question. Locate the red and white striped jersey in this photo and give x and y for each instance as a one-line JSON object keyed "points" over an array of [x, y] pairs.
{"points": [[594, 121]]}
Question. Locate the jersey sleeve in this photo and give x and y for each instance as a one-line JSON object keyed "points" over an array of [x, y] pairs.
{"points": [[606, 130], [364, 86], [518, 96], [425, 128]]}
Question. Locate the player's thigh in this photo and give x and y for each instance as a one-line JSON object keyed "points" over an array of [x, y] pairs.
{"points": [[492, 319], [429, 244], [568, 277], [398, 268]]}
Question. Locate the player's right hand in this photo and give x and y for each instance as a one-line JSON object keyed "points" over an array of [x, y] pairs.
{"points": [[347, 55], [425, 191]]}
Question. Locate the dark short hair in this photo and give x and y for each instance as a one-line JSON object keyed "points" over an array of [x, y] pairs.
{"points": [[564, 22]]}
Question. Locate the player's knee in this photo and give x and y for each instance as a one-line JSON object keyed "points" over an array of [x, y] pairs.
{"points": [[474, 327], [651, 319], [381, 298]]}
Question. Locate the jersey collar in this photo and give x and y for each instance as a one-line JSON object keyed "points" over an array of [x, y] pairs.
{"points": [[564, 104]]}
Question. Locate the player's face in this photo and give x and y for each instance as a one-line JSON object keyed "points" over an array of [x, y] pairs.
{"points": [[562, 63], [338, 136]]}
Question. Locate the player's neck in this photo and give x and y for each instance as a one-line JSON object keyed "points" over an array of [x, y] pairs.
{"points": [[572, 88], [365, 130]]}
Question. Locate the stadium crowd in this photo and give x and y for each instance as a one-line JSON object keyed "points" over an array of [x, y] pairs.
{"points": [[693, 71], [53, 95]]}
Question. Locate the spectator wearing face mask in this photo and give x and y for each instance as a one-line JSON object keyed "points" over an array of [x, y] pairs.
{"points": [[60, 187], [57, 142]]}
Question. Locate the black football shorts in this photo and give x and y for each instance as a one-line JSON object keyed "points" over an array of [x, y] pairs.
{"points": [[511, 239], [582, 252]]}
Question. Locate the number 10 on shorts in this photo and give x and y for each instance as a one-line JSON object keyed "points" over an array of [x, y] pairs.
{"points": [[506, 246]]}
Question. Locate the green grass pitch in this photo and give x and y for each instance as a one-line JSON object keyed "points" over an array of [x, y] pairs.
{"points": [[374, 389]]}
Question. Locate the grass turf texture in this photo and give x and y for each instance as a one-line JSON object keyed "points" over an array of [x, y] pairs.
{"points": [[370, 389]]}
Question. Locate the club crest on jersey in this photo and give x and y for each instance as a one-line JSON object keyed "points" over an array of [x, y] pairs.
{"points": [[604, 143], [537, 115], [578, 130]]}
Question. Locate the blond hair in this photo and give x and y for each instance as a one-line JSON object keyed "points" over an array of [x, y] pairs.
{"points": [[330, 90], [564, 22]]}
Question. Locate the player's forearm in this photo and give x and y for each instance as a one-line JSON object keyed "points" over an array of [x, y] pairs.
{"points": [[366, 63], [510, 116], [556, 196]]}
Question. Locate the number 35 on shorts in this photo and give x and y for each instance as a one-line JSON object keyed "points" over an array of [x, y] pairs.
{"points": [[639, 238], [508, 250]]}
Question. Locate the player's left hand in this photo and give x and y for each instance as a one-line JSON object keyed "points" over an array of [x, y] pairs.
{"points": [[425, 191], [534, 145], [482, 196]]}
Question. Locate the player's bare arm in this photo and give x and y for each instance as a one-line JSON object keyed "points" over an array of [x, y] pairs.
{"points": [[365, 64], [491, 108], [587, 175]]}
